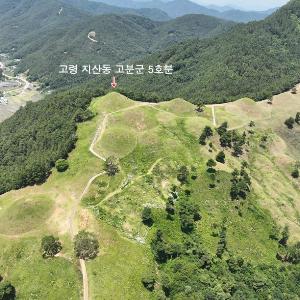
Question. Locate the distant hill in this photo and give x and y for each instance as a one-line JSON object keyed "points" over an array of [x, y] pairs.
{"points": [[255, 60], [120, 38], [99, 8], [245, 16], [178, 8]]}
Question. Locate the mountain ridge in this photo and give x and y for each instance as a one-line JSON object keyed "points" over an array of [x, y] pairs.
{"points": [[119, 38], [254, 60], [176, 8]]}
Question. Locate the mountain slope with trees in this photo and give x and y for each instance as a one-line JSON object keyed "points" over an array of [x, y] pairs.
{"points": [[254, 60], [43, 44], [99, 8]]}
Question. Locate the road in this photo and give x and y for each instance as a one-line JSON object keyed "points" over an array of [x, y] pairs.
{"points": [[20, 80]]}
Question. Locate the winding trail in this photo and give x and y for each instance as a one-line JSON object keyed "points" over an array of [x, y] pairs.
{"points": [[91, 36], [98, 135], [73, 229]]}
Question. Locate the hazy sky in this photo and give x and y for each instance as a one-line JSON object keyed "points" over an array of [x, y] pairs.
{"points": [[246, 4]]}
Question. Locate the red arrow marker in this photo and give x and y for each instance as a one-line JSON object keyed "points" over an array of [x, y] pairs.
{"points": [[114, 83]]}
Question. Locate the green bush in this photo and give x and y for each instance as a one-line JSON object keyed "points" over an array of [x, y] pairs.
{"points": [[50, 246], [148, 282], [7, 291], [62, 165], [86, 245]]}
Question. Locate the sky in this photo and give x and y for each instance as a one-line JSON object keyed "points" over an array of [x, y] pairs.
{"points": [[246, 4]]}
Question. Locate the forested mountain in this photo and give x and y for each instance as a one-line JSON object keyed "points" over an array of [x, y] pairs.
{"points": [[245, 16], [98, 8], [23, 21], [119, 38], [255, 60], [178, 8]]}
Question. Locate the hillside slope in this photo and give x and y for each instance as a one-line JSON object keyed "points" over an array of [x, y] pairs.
{"points": [[229, 249], [255, 60]]}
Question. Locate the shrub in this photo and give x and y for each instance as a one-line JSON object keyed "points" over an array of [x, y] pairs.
{"points": [[297, 119], [7, 291], [220, 157], [86, 245], [111, 166], [62, 165], [149, 282], [147, 216], [290, 123], [50, 246], [295, 173], [183, 175]]}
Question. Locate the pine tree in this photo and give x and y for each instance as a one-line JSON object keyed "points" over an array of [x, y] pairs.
{"points": [[220, 157]]}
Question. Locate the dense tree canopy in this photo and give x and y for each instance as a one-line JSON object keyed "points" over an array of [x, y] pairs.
{"points": [[256, 60], [36, 136]]}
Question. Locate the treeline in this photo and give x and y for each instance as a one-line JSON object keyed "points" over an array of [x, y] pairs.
{"points": [[36, 136]]}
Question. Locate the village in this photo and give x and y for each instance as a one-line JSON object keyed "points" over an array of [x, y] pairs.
{"points": [[15, 90]]}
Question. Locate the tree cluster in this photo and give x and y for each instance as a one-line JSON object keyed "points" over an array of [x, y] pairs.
{"points": [[231, 139], [188, 215], [241, 183], [86, 245], [50, 246], [111, 166], [207, 133]]}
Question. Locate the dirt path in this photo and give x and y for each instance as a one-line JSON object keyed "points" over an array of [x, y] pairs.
{"points": [[92, 37], [72, 225], [121, 187], [214, 115], [84, 279], [74, 230]]}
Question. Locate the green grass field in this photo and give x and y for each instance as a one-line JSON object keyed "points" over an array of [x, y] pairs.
{"points": [[34, 277], [168, 133], [25, 215]]}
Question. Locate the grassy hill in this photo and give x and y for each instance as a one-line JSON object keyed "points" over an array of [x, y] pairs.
{"points": [[151, 142], [254, 60]]}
